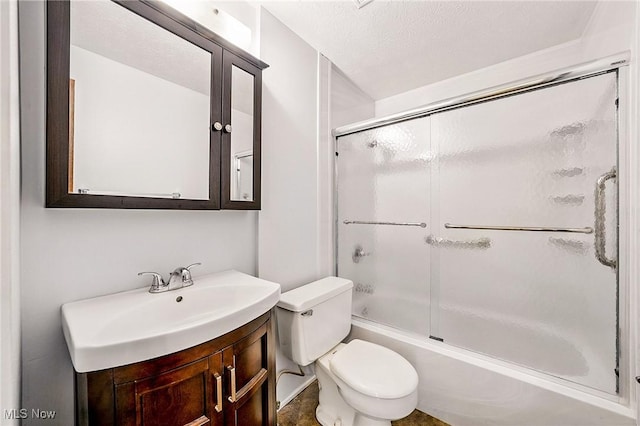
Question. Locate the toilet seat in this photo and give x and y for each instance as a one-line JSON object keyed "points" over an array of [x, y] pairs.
{"points": [[374, 370]]}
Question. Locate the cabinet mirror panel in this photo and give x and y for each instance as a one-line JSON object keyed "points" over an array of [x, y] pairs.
{"points": [[242, 119], [140, 107]]}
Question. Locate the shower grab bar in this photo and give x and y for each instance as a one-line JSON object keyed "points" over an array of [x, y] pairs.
{"points": [[586, 230], [364, 222], [481, 243], [600, 212]]}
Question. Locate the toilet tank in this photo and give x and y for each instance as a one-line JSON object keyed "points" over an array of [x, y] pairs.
{"points": [[314, 318]]}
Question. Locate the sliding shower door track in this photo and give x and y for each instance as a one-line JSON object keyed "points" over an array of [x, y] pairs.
{"points": [[586, 69]]}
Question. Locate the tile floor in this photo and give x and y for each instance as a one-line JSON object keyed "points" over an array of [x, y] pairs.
{"points": [[301, 412]]}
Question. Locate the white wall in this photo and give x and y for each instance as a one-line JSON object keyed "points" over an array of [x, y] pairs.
{"points": [[9, 212], [135, 133], [288, 221], [70, 254], [349, 104]]}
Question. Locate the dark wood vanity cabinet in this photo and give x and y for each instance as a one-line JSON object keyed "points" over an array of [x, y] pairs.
{"points": [[227, 381]]}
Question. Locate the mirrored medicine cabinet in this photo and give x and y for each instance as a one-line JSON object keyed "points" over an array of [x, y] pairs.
{"points": [[147, 109]]}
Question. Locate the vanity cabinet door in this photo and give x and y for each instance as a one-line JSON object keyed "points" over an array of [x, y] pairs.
{"points": [[250, 381], [241, 116], [183, 396]]}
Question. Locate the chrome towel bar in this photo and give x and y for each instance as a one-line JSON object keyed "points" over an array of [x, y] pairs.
{"points": [[586, 230], [363, 222]]}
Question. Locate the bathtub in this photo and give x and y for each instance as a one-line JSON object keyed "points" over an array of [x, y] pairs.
{"points": [[464, 388]]}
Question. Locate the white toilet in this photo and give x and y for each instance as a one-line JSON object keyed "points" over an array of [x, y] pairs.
{"points": [[361, 383]]}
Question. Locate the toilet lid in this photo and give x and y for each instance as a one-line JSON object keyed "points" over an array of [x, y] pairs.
{"points": [[374, 370]]}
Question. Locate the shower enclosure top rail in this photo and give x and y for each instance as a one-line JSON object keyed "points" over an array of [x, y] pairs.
{"points": [[586, 230], [565, 74], [364, 222]]}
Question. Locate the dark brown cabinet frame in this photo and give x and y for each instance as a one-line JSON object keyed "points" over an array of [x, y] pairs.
{"points": [[57, 111]]}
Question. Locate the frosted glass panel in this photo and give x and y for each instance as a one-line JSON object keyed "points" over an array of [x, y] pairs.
{"points": [[383, 176], [538, 299]]}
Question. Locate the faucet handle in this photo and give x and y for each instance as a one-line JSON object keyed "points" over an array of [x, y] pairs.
{"points": [[188, 268], [186, 274], [157, 283]]}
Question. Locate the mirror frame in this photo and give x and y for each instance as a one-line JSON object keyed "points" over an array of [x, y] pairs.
{"points": [[57, 106]]}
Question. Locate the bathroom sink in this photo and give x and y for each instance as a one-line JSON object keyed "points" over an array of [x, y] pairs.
{"points": [[132, 326]]}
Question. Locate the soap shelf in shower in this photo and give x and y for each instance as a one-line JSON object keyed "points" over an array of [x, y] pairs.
{"points": [[480, 243]]}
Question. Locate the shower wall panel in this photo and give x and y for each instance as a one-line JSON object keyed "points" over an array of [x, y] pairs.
{"points": [[384, 177]]}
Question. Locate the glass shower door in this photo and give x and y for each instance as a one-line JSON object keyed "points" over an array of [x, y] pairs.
{"points": [[383, 186], [522, 230]]}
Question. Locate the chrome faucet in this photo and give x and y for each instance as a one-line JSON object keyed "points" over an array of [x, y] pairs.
{"points": [[180, 277]]}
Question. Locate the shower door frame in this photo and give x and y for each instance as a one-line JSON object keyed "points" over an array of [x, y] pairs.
{"points": [[627, 190]]}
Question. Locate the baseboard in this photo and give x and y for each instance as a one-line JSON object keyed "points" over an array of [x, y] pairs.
{"points": [[297, 391]]}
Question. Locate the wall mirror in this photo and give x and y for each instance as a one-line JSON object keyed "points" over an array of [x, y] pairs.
{"points": [[135, 107], [242, 137], [241, 142], [139, 107]]}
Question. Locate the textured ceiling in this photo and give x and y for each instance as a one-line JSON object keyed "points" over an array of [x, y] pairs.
{"points": [[389, 47]]}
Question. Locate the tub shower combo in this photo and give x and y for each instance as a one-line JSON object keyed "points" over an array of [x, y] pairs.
{"points": [[488, 225]]}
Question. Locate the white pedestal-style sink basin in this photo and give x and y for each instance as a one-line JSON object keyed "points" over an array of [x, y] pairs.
{"points": [[133, 326]]}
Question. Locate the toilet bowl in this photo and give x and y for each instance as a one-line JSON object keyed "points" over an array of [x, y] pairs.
{"points": [[376, 384], [361, 383]]}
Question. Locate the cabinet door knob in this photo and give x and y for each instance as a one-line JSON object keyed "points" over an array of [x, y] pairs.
{"points": [[232, 372], [217, 126], [218, 406], [227, 128]]}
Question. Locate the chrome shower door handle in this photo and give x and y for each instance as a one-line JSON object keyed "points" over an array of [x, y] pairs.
{"points": [[600, 216]]}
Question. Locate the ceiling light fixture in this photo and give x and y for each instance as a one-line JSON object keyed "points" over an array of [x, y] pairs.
{"points": [[217, 20]]}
